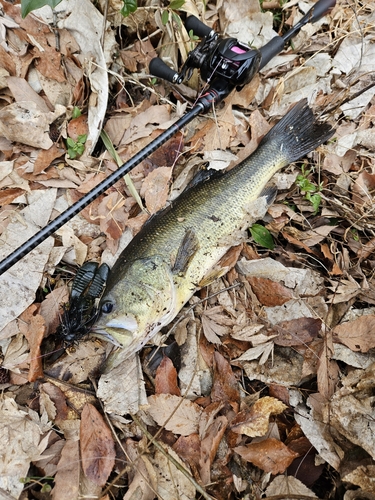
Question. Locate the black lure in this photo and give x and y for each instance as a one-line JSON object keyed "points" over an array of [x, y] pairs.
{"points": [[81, 311]]}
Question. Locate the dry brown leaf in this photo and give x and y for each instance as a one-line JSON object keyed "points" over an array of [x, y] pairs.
{"points": [[315, 236], [363, 188], [328, 370], [155, 188], [225, 385], [270, 293], [298, 331], [45, 158], [168, 153], [78, 126], [24, 122], [171, 482], [8, 195], [209, 446], [270, 455], [175, 413], [68, 472], [51, 306], [358, 335], [97, 446], [254, 421], [283, 486], [166, 378], [21, 441], [189, 449], [32, 325]]}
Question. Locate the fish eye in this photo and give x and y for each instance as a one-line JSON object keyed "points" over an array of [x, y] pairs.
{"points": [[107, 307]]}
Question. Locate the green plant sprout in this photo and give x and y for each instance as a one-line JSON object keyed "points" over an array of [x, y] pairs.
{"points": [[262, 236], [76, 148], [311, 190]]}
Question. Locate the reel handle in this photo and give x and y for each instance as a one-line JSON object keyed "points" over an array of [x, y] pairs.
{"points": [[158, 68], [200, 29]]}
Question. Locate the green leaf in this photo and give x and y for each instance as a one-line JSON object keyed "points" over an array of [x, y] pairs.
{"points": [[176, 4], [76, 112], [165, 17], [129, 7], [262, 236], [29, 5], [80, 148], [70, 142], [315, 200], [71, 152], [82, 138]]}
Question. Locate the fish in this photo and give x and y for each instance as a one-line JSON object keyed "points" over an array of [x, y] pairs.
{"points": [[176, 251]]}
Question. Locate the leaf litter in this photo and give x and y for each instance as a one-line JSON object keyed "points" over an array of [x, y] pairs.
{"points": [[263, 386]]}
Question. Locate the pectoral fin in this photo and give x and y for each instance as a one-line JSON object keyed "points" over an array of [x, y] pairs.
{"points": [[186, 251]]}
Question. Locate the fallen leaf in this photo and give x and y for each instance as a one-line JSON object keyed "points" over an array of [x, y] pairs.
{"points": [[171, 482], [270, 293], [254, 421], [24, 122], [189, 449], [225, 385], [350, 410], [32, 325], [50, 308], [270, 455], [97, 446], [299, 331], [283, 486], [166, 378], [67, 478], [358, 335], [21, 441], [155, 188], [175, 413], [209, 446], [78, 126]]}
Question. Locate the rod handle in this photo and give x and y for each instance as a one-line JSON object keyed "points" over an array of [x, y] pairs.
{"points": [[158, 68], [200, 29]]}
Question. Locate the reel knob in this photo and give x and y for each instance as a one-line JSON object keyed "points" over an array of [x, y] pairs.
{"points": [[200, 29], [159, 69]]}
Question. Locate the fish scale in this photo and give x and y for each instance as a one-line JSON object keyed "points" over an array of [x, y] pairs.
{"points": [[147, 287]]}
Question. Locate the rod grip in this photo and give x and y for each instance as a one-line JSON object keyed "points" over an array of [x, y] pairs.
{"points": [[200, 29], [320, 9], [159, 69], [270, 50]]}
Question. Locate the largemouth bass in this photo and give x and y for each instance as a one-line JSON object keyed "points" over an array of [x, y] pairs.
{"points": [[176, 251]]}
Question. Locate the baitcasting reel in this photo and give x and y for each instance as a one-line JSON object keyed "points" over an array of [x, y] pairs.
{"points": [[228, 59]]}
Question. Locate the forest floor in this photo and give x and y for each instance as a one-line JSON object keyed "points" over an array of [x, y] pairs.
{"points": [[263, 386]]}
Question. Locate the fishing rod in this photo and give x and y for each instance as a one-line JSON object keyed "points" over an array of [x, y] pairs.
{"points": [[224, 63]]}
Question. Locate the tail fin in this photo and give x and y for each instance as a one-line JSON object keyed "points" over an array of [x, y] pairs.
{"points": [[298, 132]]}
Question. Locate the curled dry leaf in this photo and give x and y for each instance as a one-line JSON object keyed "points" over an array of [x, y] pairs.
{"points": [[270, 455], [97, 446], [225, 385], [254, 421], [32, 325]]}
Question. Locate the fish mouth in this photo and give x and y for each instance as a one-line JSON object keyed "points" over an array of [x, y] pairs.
{"points": [[116, 328]]}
